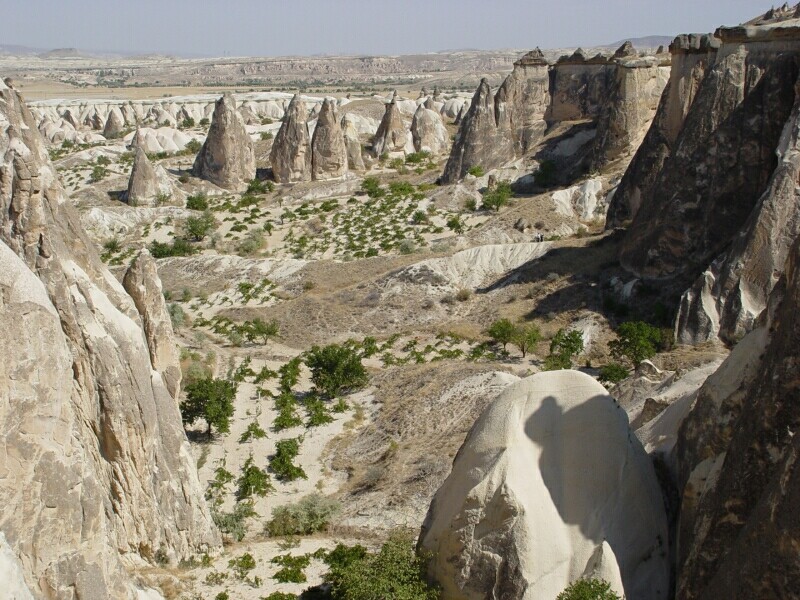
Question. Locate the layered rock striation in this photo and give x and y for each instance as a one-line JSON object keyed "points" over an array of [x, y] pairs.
{"points": [[96, 474]]}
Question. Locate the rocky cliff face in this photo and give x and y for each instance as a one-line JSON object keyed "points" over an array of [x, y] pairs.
{"points": [[634, 91], [691, 56], [497, 128], [291, 151], [542, 493], [579, 87], [227, 158], [727, 298], [96, 474], [722, 159], [479, 141], [738, 459], [328, 148]]}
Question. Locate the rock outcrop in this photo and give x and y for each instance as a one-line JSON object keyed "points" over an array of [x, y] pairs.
{"points": [[722, 159], [227, 158], [142, 283], [352, 141], [146, 184], [428, 132], [392, 134], [96, 474], [579, 87], [635, 87], [498, 128], [738, 459], [115, 125], [544, 492], [479, 141], [328, 148], [726, 299], [691, 57], [291, 151]]}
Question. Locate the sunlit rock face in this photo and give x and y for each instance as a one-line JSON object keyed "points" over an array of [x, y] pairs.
{"points": [[549, 486]]}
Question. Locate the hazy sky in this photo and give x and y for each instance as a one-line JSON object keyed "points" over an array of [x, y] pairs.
{"points": [[305, 27]]}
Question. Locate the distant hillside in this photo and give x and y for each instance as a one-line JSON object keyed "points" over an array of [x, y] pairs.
{"points": [[62, 53], [17, 50]]}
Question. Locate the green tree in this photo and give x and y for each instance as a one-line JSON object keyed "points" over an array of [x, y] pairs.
{"points": [[635, 341], [588, 589], [501, 331], [210, 399], [525, 337], [563, 347], [498, 197], [258, 329], [335, 368], [198, 228], [395, 571], [289, 375]]}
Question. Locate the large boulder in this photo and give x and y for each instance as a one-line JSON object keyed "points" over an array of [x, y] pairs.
{"points": [[96, 473], [328, 148], [392, 135], [227, 158], [549, 486], [291, 151], [428, 131]]}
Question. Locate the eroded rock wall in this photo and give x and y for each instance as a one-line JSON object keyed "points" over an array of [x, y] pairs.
{"points": [[96, 474]]}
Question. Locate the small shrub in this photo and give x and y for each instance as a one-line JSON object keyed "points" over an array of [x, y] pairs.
{"points": [[197, 202], [192, 147], [371, 186], [197, 228], [463, 295], [311, 514], [266, 136], [233, 523], [187, 123], [98, 174], [498, 197], [291, 568], [612, 373], [588, 589], [563, 347], [476, 171], [281, 463], [252, 481], [254, 431], [242, 565]]}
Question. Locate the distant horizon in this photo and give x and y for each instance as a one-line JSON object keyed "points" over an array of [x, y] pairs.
{"points": [[315, 28]]}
